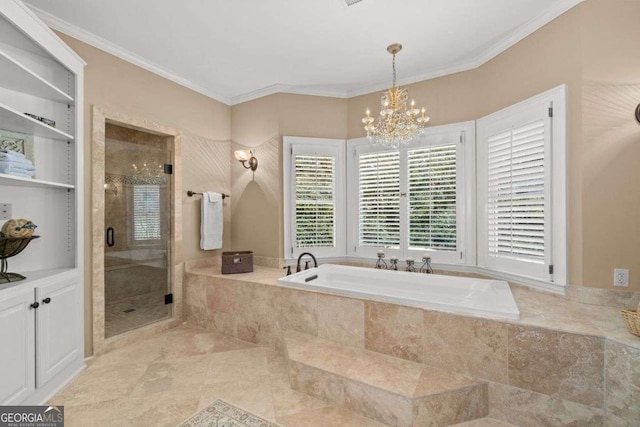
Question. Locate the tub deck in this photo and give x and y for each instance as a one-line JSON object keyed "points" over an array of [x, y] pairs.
{"points": [[537, 308]]}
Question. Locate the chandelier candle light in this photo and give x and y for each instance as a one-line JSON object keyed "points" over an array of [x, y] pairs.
{"points": [[398, 124]]}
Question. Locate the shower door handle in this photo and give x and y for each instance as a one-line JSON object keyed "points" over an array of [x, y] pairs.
{"points": [[111, 237]]}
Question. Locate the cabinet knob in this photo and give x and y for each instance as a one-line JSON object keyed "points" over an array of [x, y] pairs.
{"points": [[35, 305], [47, 300]]}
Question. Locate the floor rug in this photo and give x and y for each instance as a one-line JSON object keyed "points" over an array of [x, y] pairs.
{"points": [[223, 414]]}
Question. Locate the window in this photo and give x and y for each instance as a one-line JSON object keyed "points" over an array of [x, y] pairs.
{"points": [[433, 197], [315, 201], [146, 213], [516, 192], [314, 196], [413, 200], [521, 187], [379, 200]]}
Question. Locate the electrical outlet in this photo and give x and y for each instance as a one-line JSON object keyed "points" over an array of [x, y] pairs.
{"points": [[621, 277], [5, 211]]}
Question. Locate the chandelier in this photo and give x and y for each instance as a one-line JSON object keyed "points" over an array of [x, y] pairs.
{"points": [[147, 171], [398, 124]]}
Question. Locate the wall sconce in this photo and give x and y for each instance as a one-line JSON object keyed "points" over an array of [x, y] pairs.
{"points": [[244, 156]]}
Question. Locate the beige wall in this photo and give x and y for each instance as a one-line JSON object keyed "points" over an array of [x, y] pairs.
{"points": [[257, 221], [120, 86], [610, 149]]}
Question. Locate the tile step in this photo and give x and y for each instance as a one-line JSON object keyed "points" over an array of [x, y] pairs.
{"points": [[485, 422], [394, 391]]}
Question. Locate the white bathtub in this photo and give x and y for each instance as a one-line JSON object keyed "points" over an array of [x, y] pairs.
{"points": [[461, 295]]}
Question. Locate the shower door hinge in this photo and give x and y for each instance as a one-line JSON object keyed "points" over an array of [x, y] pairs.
{"points": [[168, 299], [168, 169], [551, 270]]}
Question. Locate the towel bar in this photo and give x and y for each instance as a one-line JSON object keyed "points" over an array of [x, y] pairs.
{"points": [[193, 193]]}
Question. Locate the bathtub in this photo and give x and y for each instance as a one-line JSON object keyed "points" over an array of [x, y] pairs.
{"points": [[459, 295]]}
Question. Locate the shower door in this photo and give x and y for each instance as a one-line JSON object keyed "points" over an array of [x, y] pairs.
{"points": [[137, 229]]}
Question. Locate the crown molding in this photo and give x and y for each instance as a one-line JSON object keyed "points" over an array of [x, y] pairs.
{"points": [[281, 88], [98, 42], [255, 94], [467, 64], [457, 68], [485, 56], [526, 30]]}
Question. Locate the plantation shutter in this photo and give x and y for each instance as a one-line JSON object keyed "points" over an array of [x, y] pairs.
{"points": [[432, 197], [516, 192], [146, 212], [315, 206], [379, 200]]}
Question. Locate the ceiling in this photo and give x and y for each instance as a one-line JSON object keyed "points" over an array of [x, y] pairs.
{"points": [[237, 50]]}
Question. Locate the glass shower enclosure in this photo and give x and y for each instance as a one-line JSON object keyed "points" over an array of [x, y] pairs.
{"points": [[137, 229]]}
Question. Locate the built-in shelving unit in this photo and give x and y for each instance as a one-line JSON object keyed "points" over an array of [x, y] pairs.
{"points": [[17, 76], [41, 317], [15, 121], [30, 182]]}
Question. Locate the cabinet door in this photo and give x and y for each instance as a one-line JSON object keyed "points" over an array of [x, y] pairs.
{"points": [[58, 327], [17, 346]]}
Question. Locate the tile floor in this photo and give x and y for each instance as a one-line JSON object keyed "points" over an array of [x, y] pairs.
{"points": [[148, 308], [164, 380]]}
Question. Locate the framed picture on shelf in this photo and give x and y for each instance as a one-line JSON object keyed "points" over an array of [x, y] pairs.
{"points": [[18, 142]]}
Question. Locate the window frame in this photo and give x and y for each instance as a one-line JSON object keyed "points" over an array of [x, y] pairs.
{"points": [[555, 188], [463, 134], [321, 146]]}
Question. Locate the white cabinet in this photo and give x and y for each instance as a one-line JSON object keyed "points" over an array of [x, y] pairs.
{"points": [[57, 325], [41, 348], [17, 346], [40, 337]]}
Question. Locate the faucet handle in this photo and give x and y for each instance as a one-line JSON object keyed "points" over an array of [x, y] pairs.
{"points": [[288, 268], [306, 265]]}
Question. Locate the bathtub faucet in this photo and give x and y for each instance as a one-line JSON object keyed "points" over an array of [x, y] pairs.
{"points": [[315, 262], [426, 267]]}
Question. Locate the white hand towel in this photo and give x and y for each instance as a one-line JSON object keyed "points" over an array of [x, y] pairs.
{"points": [[211, 221]]}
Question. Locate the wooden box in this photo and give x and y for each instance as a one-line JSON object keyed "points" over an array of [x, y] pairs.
{"points": [[237, 262]]}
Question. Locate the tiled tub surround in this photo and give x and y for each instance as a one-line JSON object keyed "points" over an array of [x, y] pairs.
{"points": [[395, 391], [562, 363]]}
